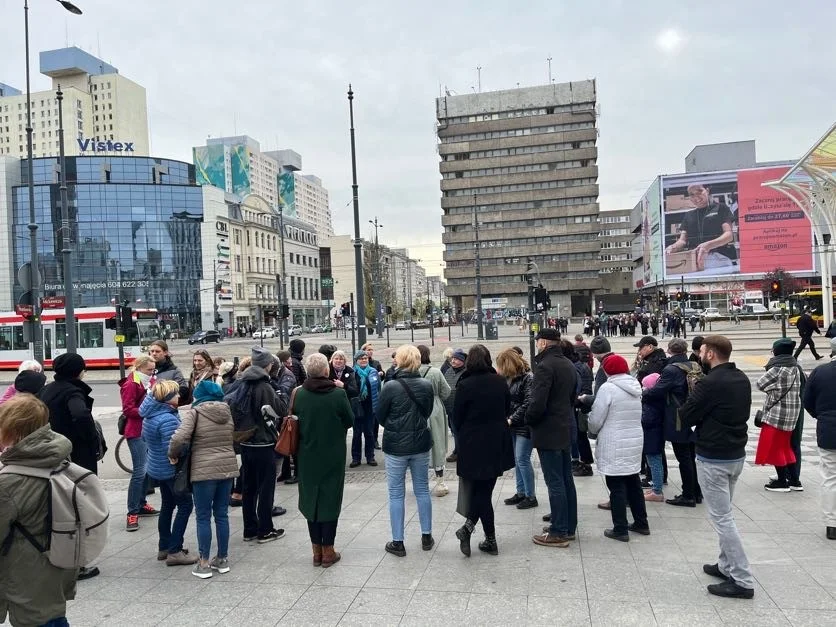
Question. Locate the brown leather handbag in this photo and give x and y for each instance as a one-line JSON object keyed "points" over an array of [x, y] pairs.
{"points": [[288, 442]]}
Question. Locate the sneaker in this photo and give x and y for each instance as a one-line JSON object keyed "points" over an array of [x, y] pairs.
{"points": [[88, 572], [547, 539], [646, 483], [180, 559], [427, 541], [133, 523], [730, 589], [528, 503], [797, 487], [652, 497], [275, 534], [147, 510], [514, 500], [278, 510], [714, 571], [397, 548], [202, 571], [773, 477], [354, 464], [571, 536], [777, 486], [221, 564], [250, 538]]}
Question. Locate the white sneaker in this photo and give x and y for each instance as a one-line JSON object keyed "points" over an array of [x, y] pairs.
{"points": [[440, 488]]}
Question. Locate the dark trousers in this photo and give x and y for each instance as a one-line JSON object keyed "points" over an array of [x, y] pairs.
{"points": [[171, 532], [481, 504], [626, 490], [795, 443], [806, 340], [563, 499], [322, 532], [787, 474], [258, 464], [363, 437], [687, 458]]}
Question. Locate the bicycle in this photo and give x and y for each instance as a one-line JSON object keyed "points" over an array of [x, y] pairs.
{"points": [[128, 468]]}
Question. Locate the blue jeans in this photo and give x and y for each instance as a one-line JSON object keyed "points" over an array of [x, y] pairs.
{"points": [[136, 487], [419, 466], [563, 500], [657, 472], [524, 471], [363, 428], [171, 536], [211, 500]]}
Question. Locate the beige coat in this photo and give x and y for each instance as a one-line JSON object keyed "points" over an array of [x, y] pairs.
{"points": [[212, 454]]}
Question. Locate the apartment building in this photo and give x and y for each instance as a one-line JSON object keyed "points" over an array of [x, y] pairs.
{"points": [[616, 252]]}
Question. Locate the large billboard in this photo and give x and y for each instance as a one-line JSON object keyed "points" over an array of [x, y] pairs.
{"points": [[287, 193], [239, 165], [210, 165], [652, 256], [725, 223]]}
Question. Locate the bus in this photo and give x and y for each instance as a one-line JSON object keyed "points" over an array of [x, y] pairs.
{"points": [[811, 299], [96, 343]]}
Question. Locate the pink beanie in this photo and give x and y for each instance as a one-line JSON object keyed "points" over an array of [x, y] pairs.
{"points": [[650, 380]]}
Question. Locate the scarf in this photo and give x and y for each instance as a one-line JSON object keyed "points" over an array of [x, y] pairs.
{"points": [[143, 379], [318, 385], [363, 377], [781, 361], [338, 374]]}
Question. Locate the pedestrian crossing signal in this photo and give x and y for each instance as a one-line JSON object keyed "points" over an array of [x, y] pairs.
{"points": [[775, 289]]}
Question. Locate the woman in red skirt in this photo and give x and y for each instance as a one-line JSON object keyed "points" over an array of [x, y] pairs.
{"points": [[783, 383]]}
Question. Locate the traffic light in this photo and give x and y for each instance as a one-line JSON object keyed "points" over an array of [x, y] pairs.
{"points": [[775, 290], [285, 311], [529, 270], [110, 323], [679, 296], [219, 319], [540, 298], [126, 317], [388, 310]]}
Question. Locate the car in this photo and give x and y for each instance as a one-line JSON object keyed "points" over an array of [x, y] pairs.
{"points": [[400, 326], [294, 329], [317, 328], [756, 309], [204, 337], [263, 334], [711, 313]]}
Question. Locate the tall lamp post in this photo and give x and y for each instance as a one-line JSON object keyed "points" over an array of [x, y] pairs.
{"points": [[358, 244], [34, 277], [378, 287], [66, 235], [480, 330]]}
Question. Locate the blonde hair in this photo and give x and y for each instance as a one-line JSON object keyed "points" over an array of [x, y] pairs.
{"points": [[447, 354], [142, 360], [339, 354], [20, 416], [367, 346], [408, 358], [245, 363], [316, 365], [164, 389], [30, 364], [510, 364]]}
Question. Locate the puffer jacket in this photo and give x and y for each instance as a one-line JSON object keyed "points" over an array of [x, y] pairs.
{"points": [[438, 418], [208, 426], [616, 417], [520, 389], [452, 376], [783, 383], [33, 591], [159, 422], [406, 427]]}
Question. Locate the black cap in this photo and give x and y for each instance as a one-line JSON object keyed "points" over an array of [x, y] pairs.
{"points": [[553, 335], [647, 340]]}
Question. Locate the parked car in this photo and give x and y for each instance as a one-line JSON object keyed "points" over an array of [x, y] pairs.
{"points": [[400, 326], [317, 328], [294, 329], [204, 337], [711, 313], [266, 332], [756, 309]]}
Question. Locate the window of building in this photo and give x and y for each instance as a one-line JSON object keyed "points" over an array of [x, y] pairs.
{"points": [[236, 236], [249, 264], [293, 287], [239, 291]]}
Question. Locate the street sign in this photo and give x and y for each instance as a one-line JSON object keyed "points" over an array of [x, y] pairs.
{"points": [[52, 302], [119, 339], [24, 279], [535, 328], [326, 281], [27, 311]]}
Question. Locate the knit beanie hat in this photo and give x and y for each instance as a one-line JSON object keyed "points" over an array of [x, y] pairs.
{"points": [[30, 381], [600, 345], [650, 380], [460, 354], [68, 366], [615, 364], [360, 355], [261, 357], [783, 346], [207, 390]]}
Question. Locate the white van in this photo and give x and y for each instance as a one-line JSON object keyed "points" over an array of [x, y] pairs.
{"points": [[711, 313]]}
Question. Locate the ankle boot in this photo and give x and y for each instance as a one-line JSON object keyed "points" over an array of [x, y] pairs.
{"points": [[317, 554], [488, 545], [463, 534], [329, 556]]}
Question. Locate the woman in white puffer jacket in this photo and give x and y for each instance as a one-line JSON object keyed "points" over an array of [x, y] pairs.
{"points": [[616, 417]]}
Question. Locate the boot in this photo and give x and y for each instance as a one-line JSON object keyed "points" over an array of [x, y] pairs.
{"points": [[329, 556], [463, 534], [317, 554], [488, 545]]}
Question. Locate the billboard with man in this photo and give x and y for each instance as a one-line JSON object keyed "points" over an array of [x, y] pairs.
{"points": [[724, 223]]}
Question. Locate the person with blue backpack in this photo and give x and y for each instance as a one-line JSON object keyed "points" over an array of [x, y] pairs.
{"points": [[365, 409]]}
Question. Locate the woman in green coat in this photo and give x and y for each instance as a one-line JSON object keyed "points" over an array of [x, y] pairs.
{"points": [[324, 419], [438, 419]]}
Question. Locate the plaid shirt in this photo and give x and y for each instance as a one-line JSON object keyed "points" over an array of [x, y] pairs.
{"points": [[782, 406]]}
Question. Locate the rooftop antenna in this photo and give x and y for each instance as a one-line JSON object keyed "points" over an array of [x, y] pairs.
{"points": [[479, 77], [549, 59]]}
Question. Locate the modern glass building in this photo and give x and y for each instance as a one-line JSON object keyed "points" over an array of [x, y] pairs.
{"points": [[135, 232]]}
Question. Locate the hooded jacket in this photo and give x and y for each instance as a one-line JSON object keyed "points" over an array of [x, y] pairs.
{"points": [[670, 391], [33, 591], [159, 422], [783, 383], [71, 414], [616, 417], [208, 426], [246, 399], [406, 427]]}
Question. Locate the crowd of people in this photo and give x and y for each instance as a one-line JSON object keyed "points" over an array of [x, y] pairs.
{"points": [[225, 418]]}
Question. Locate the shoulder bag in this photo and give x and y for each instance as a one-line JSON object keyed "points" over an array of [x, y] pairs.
{"points": [[424, 413], [288, 442], [760, 413], [183, 468]]}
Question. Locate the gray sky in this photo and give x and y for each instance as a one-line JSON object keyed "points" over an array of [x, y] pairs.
{"points": [[669, 77]]}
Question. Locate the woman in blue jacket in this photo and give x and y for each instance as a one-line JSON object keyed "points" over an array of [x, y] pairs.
{"points": [[159, 422]]}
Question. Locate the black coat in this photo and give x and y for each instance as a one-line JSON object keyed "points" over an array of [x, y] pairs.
{"points": [[820, 401], [806, 325], [483, 404], [520, 389], [297, 368], [669, 393], [71, 414], [551, 412], [350, 385], [406, 427], [655, 362]]}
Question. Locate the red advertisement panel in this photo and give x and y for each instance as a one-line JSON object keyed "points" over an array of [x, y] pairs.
{"points": [[772, 229]]}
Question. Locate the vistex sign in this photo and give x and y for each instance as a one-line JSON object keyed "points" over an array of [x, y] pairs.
{"points": [[88, 145]]}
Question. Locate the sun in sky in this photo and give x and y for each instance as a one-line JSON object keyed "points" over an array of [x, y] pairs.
{"points": [[669, 40]]}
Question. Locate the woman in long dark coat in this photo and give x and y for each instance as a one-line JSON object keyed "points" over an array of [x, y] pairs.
{"points": [[485, 450], [324, 419]]}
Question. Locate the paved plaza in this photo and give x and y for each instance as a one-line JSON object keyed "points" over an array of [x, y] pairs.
{"points": [[654, 580]]}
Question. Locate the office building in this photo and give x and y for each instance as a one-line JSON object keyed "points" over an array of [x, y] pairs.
{"points": [[104, 112], [519, 172], [616, 252]]}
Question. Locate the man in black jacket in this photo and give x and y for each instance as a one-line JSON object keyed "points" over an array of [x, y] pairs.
{"points": [[550, 415], [820, 401], [719, 408], [650, 357], [806, 327], [297, 354]]}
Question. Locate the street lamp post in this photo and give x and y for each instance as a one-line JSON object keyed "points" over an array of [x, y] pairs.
{"points": [[480, 331], [283, 285], [66, 234], [358, 244], [378, 297]]}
